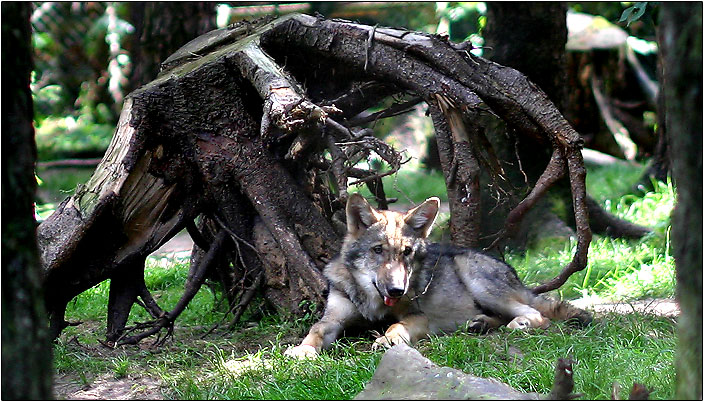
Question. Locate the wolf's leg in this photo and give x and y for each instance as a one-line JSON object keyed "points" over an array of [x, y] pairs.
{"points": [[409, 330], [482, 323], [525, 316], [340, 312]]}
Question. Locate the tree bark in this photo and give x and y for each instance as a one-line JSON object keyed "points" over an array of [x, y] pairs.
{"points": [[543, 25], [26, 352], [660, 166], [682, 42]]}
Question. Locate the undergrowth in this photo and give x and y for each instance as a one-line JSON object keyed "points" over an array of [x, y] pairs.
{"points": [[247, 362]]}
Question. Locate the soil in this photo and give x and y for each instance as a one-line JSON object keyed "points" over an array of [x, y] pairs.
{"points": [[107, 387]]}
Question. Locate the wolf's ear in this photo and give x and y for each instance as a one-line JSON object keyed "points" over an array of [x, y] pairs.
{"points": [[422, 217], [360, 215]]}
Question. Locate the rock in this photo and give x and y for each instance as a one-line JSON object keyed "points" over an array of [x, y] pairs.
{"points": [[404, 373]]}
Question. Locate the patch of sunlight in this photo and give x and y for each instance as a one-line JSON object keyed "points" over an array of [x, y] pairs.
{"points": [[241, 365]]}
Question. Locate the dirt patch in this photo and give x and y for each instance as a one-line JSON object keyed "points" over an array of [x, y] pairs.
{"points": [[106, 387], [659, 307], [140, 384]]}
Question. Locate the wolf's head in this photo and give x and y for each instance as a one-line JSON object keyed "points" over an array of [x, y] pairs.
{"points": [[383, 243]]}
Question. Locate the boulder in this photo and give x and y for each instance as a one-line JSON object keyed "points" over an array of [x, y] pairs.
{"points": [[404, 373]]}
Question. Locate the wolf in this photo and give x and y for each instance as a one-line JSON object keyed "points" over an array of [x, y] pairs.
{"points": [[387, 269]]}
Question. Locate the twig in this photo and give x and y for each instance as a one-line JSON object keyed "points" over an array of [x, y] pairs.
{"points": [[167, 319], [577, 173], [338, 168], [65, 163], [395, 110], [247, 298], [196, 235], [379, 176], [370, 43], [621, 135], [234, 235]]}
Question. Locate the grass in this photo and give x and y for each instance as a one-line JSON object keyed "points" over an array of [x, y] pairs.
{"points": [[67, 137], [617, 269], [621, 348], [248, 362], [410, 186]]}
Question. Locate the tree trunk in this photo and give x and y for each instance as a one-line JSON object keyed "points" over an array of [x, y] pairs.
{"points": [[543, 25], [161, 28], [26, 352], [509, 27], [660, 166], [682, 45], [228, 134]]}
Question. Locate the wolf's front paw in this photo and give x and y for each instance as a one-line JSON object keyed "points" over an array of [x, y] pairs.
{"points": [[519, 323], [478, 326], [395, 335], [301, 352], [529, 321]]}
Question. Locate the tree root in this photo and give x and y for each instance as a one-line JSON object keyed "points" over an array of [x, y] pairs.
{"points": [[166, 320], [603, 222]]}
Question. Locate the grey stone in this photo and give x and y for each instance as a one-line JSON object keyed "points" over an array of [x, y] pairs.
{"points": [[403, 373]]}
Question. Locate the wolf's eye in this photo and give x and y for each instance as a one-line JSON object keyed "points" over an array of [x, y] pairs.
{"points": [[377, 249], [407, 251]]}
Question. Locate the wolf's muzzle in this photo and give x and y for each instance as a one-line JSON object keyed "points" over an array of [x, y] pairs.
{"points": [[395, 292]]}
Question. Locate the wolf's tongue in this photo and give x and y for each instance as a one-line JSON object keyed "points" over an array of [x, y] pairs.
{"points": [[390, 301]]}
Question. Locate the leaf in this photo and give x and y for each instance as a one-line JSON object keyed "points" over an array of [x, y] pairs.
{"points": [[626, 14], [634, 12], [640, 7]]}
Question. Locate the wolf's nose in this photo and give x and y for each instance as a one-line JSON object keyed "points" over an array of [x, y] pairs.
{"points": [[394, 291]]}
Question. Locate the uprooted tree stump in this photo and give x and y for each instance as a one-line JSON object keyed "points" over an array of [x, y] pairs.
{"points": [[229, 142]]}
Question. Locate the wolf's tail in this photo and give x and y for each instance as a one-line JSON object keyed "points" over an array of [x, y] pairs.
{"points": [[561, 310]]}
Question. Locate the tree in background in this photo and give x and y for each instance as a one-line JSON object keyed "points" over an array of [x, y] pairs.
{"points": [[26, 352], [682, 43], [161, 28]]}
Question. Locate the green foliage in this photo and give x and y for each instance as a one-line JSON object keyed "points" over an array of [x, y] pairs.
{"points": [[66, 137], [633, 13], [617, 269], [467, 20], [267, 374], [54, 185], [606, 183], [166, 279], [79, 77], [642, 27], [120, 367], [621, 348], [70, 357], [410, 186], [80, 61]]}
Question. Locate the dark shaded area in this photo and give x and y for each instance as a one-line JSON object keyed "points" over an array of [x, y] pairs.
{"points": [[682, 43], [26, 352]]}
